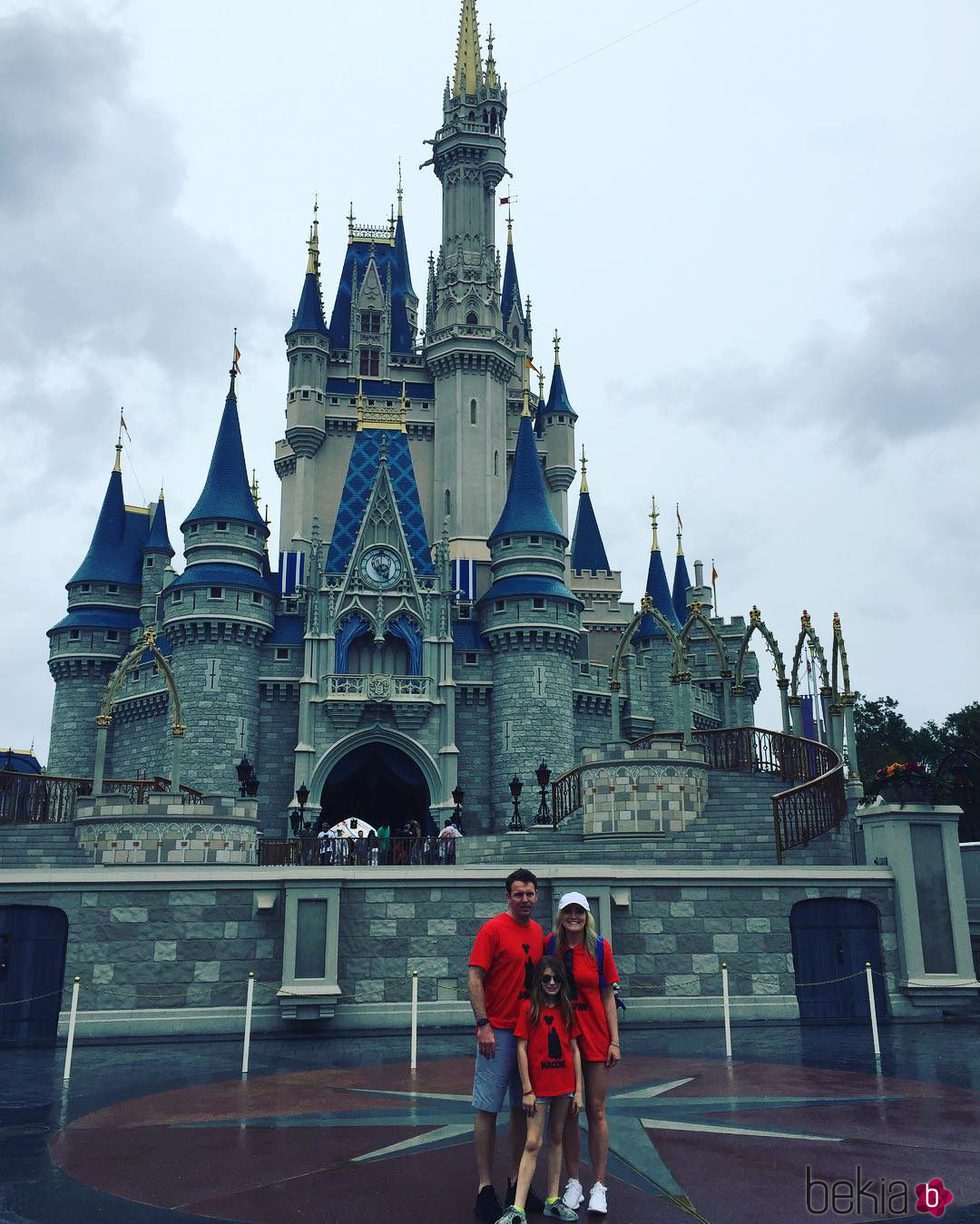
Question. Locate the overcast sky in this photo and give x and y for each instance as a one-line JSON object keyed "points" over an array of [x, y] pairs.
{"points": [[755, 225]]}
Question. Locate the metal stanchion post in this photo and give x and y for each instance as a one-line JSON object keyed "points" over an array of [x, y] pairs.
{"points": [[71, 1028], [415, 1019], [874, 1013], [727, 1009], [248, 1022]]}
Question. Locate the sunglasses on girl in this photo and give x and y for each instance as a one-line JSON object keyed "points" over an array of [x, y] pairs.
{"points": [[550, 977]]}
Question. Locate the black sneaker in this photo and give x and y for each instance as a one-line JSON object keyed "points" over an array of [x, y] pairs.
{"points": [[488, 1206], [534, 1204]]}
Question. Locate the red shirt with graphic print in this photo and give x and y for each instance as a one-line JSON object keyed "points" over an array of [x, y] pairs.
{"points": [[549, 1050], [507, 952], [587, 1000]]}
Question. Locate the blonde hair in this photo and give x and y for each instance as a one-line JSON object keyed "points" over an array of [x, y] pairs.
{"points": [[590, 935]]}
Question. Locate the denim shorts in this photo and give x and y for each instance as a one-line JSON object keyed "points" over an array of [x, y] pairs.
{"points": [[493, 1076]]}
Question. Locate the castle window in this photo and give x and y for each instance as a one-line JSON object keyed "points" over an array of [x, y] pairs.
{"points": [[84, 588], [216, 593], [371, 322], [538, 604], [449, 502], [134, 675], [583, 669], [305, 394], [257, 598], [465, 612], [177, 597], [506, 542], [471, 319], [472, 411], [498, 605], [534, 539], [370, 362], [220, 526], [516, 335], [148, 563], [250, 531], [470, 658], [192, 530], [74, 635], [112, 588], [282, 652], [112, 635]]}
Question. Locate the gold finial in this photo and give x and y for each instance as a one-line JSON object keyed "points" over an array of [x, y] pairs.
{"points": [[646, 603], [236, 355], [399, 186], [313, 245], [805, 619], [755, 615], [350, 222], [654, 515], [836, 622], [117, 466], [492, 79], [556, 341], [160, 498], [469, 67], [585, 483], [255, 489], [510, 226], [680, 528], [527, 389], [541, 386]]}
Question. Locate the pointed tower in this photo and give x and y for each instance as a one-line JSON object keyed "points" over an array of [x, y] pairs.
{"points": [[532, 622], [678, 592], [555, 427], [467, 354], [652, 643], [157, 555], [657, 589], [103, 612], [218, 613]]}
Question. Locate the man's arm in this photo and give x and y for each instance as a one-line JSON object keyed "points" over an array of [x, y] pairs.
{"points": [[485, 1040]]}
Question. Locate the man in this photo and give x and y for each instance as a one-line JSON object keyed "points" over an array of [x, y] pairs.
{"points": [[447, 842], [502, 962]]}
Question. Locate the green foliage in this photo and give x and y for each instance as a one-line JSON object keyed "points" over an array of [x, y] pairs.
{"points": [[884, 736]]}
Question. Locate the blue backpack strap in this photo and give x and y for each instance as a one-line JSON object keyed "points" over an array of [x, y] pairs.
{"points": [[600, 956]]}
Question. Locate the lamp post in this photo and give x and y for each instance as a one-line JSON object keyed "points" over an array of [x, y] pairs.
{"points": [[516, 823], [543, 775], [458, 810], [248, 782]]}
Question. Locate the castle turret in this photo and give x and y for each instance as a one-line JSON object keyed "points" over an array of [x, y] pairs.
{"points": [[555, 427], [682, 581], [652, 641], [103, 611], [157, 555], [218, 613], [467, 354], [532, 622]]}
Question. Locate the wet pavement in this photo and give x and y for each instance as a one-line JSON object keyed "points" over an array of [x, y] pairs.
{"points": [[800, 1125]]}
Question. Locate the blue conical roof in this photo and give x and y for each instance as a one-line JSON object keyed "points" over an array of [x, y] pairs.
{"points": [[679, 590], [356, 262], [403, 272], [227, 493], [526, 509], [114, 554], [309, 312], [159, 540], [659, 592], [588, 550], [510, 295]]}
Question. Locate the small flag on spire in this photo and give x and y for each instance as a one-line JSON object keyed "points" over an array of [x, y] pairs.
{"points": [[122, 426], [505, 199], [680, 525], [237, 359]]}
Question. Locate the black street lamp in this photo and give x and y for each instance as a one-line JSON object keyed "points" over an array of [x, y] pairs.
{"points": [[543, 775], [458, 810], [516, 823], [248, 782]]}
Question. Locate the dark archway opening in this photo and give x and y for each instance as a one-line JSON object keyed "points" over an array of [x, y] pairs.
{"points": [[380, 784]]}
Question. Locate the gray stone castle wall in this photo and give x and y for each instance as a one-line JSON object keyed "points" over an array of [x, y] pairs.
{"points": [[474, 713], [278, 715], [140, 743], [73, 731]]}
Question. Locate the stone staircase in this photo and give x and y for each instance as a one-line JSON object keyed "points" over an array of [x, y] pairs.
{"points": [[734, 830], [40, 845]]}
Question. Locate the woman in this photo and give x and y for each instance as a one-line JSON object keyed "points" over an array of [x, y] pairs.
{"points": [[592, 972]]}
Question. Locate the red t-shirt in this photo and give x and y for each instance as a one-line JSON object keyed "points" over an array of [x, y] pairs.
{"points": [[549, 1050], [587, 1000], [508, 953]]}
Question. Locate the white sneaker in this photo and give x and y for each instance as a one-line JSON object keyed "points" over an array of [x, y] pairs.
{"points": [[597, 1199], [574, 1194]]}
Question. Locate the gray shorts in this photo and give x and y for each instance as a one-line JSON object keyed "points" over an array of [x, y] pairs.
{"points": [[493, 1076]]}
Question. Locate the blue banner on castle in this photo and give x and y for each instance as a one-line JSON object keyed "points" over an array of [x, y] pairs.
{"points": [[292, 570], [464, 579]]}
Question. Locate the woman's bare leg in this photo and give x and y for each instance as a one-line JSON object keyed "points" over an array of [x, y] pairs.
{"points": [[594, 1075]]}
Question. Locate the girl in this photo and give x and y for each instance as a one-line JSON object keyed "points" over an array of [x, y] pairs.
{"points": [[592, 972], [551, 1074]]}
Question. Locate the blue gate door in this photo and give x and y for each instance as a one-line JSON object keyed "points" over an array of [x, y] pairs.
{"points": [[33, 939], [833, 938]]}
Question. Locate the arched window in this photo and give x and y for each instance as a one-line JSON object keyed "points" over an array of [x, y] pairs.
{"points": [[471, 319], [449, 502], [472, 411], [516, 335]]}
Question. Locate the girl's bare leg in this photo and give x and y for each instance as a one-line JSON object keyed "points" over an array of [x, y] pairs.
{"points": [[556, 1124], [532, 1145], [572, 1140]]}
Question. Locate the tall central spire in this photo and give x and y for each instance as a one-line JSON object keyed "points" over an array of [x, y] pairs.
{"points": [[469, 62]]}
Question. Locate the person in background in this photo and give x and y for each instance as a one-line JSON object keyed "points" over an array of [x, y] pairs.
{"points": [[447, 842], [592, 974], [501, 969]]}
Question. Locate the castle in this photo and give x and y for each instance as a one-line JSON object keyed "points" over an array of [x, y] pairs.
{"points": [[427, 624]]}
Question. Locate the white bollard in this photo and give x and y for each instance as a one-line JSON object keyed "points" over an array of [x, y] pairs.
{"points": [[874, 1014], [248, 1023], [728, 1011], [415, 1019], [71, 1029]]}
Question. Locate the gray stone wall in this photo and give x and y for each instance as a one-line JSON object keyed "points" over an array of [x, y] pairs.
{"points": [[278, 734], [76, 703], [140, 743], [593, 727], [474, 713]]}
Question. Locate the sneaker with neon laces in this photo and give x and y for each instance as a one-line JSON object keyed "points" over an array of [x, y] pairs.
{"points": [[513, 1215], [488, 1206], [557, 1209], [574, 1195], [597, 1199]]}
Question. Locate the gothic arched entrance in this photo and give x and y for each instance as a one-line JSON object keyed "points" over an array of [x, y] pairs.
{"points": [[378, 783]]}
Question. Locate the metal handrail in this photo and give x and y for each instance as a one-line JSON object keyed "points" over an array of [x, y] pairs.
{"points": [[52, 798], [308, 850]]}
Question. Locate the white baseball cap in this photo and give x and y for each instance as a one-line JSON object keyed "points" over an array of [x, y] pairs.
{"points": [[574, 898]]}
